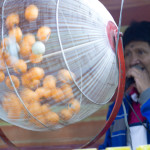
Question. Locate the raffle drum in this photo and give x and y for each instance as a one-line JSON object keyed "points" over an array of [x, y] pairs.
{"points": [[58, 63]]}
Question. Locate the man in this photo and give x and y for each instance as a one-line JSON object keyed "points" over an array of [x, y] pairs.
{"points": [[131, 125]]}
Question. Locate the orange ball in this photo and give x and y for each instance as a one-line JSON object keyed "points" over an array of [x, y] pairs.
{"points": [[52, 118], [2, 63], [12, 105], [20, 66], [25, 48], [37, 73], [47, 93], [12, 97], [31, 13], [5, 55], [2, 76], [64, 76], [16, 33], [25, 79], [45, 109], [40, 91], [36, 58], [12, 20], [29, 96], [11, 60], [5, 42], [35, 108], [67, 90], [43, 92], [49, 82], [14, 114], [6, 104], [57, 94], [39, 114], [34, 84], [8, 101], [15, 81], [42, 119], [28, 81], [1, 53], [74, 106], [65, 114], [43, 33], [30, 38]]}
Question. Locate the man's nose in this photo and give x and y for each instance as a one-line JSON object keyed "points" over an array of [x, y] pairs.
{"points": [[135, 60]]}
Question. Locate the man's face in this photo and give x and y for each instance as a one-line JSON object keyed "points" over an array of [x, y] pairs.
{"points": [[137, 53]]}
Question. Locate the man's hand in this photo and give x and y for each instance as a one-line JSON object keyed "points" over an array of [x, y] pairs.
{"points": [[141, 77]]}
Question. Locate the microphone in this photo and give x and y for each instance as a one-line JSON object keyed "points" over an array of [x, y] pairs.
{"points": [[130, 80]]}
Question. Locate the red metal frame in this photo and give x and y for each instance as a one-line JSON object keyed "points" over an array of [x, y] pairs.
{"points": [[121, 85]]}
